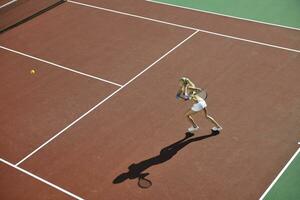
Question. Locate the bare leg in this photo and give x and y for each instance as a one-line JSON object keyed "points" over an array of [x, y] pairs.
{"points": [[211, 119], [189, 114]]}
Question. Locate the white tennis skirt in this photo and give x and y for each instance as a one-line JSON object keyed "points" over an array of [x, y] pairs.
{"points": [[199, 106]]}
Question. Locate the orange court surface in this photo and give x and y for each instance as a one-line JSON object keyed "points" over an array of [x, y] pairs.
{"points": [[99, 111]]}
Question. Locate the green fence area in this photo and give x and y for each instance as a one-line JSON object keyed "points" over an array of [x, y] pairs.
{"points": [[279, 12]]}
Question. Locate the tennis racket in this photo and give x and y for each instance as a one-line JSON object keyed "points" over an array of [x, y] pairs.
{"points": [[144, 183], [203, 94]]}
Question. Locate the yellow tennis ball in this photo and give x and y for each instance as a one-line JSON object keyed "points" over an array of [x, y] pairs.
{"points": [[32, 71]]}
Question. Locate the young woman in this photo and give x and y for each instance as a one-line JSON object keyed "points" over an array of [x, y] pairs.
{"points": [[190, 92]]}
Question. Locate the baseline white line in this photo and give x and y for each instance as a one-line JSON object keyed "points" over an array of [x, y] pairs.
{"points": [[187, 27], [131, 15], [41, 179], [104, 100], [279, 175], [224, 15], [8, 3], [60, 66]]}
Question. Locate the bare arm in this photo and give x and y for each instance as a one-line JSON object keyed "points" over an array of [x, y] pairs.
{"points": [[179, 91], [182, 93], [194, 89], [183, 90]]}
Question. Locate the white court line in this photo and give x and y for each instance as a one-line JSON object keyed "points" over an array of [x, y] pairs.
{"points": [[251, 41], [41, 179], [131, 15], [279, 175], [8, 3], [60, 66], [63, 130], [223, 15], [187, 27]]}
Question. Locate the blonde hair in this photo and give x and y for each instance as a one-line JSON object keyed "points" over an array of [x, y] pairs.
{"points": [[186, 81]]}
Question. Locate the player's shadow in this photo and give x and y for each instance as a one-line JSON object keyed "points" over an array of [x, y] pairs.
{"points": [[136, 170]]}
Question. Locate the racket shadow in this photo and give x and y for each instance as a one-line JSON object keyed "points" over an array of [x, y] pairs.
{"points": [[136, 170]]}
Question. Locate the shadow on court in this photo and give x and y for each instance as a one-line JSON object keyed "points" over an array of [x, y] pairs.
{"points": [[136, 170]]}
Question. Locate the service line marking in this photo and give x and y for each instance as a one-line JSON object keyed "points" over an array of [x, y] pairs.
{"points": [[60, 66]]}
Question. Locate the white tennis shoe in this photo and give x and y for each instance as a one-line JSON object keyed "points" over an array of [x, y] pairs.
{"points": [[216, 129], [193, 129]]}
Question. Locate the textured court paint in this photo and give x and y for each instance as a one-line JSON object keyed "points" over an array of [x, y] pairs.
{"points": [[16, 184], [287, 186], [278, 12], [227, 166], [240, 28]]}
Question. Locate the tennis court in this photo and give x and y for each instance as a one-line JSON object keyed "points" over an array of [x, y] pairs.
{"points": [[100, 110]]}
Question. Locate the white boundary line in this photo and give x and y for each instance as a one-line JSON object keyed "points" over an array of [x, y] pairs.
{"points": [[251, 41], [63, 130], [187, 27], [122, 86], [8, 3], [41, 179], [279, 175], [223, 15], [131, 15], [60, 66]]}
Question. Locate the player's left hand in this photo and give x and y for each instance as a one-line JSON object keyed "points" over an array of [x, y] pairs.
{"points": [[186, 97]]}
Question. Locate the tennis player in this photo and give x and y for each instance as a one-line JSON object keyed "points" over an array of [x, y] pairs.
{"points": [[190, 92]]}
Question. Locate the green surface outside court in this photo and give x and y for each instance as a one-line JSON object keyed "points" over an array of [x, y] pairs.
{"points": [[279, 12], [288, 185]]}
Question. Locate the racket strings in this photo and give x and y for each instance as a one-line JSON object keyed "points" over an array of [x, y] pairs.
{"points": [[144, 183]]}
